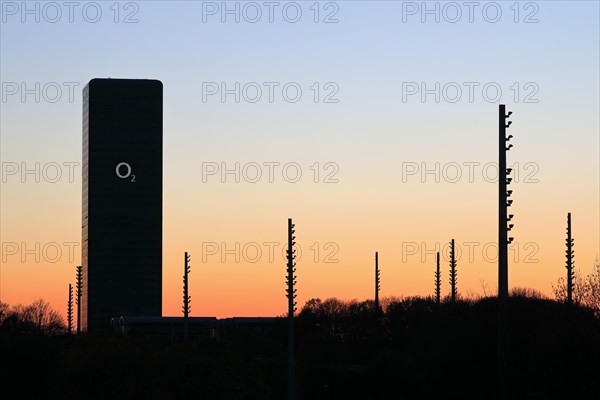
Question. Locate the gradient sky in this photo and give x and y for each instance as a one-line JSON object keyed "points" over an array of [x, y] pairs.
{"points": [[370, 135]]}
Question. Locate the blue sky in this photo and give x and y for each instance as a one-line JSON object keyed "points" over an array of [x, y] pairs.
{"points": [[367, 57], [368, 54]]}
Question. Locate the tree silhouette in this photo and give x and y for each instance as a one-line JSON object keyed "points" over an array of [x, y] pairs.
{"points": [[35, 318], [438, 280], [570, 264], [585, 290], [453, 273], [78, 293], [70, 310], [342, 353], [4, 310], [186, 297], [592, 284]]}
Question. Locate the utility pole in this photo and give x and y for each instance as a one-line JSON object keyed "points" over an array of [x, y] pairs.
{"points": [[438, 280], [377, 280], [70, 310], [453, 273], [570, 263], [186, 297], [291, 296], [503, 241], [78, 293]]}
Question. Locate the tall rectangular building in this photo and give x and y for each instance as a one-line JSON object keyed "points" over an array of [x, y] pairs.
{"points": [[122, 200]]}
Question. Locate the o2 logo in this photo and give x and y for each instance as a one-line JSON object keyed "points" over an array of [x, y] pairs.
{"points": [[123, 171]]}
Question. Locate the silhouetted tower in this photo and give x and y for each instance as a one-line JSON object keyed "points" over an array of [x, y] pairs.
{"points": [[438, 280], [570, 263], [377, 280], [453, 274], [78, 293], [504, 227], [503, 203], [291, 295], [70, 310], [186, 297]]}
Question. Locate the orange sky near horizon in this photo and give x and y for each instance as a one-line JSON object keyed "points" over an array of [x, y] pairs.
{"points": [[381, 170], [238, 265]]}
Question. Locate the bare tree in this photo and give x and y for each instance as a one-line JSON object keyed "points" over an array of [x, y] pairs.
{"points": [[586, 290], [484, 287], [561, 290], [592, 284], [4, 312], [38, 317]]}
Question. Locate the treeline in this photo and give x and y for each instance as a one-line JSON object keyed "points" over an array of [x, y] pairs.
{"points": [[415, 349], [35, 318], [407, 348]]}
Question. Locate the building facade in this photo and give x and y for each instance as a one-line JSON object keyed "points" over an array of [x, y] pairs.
{"points": [[121, 200]]}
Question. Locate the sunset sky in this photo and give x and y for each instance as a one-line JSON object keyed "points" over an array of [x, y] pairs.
{"points": [[383, 168]]}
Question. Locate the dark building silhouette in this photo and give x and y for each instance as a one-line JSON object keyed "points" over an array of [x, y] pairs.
{"points": [[171, 329], [122, 200], [166, 329]]}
